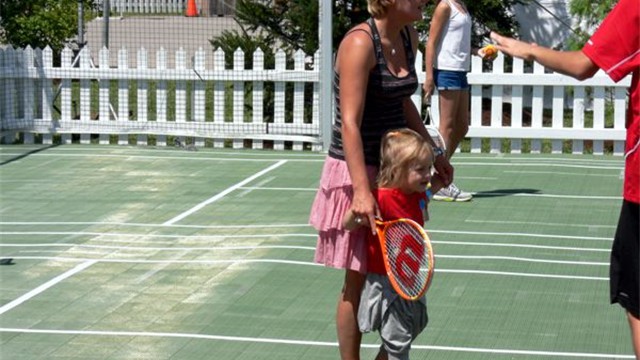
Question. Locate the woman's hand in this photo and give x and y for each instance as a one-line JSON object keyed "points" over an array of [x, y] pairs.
{"points": [[365, 209], [444, 169], [428, 87]]}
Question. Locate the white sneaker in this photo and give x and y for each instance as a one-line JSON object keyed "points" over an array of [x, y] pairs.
{"points": [[452, 193]]}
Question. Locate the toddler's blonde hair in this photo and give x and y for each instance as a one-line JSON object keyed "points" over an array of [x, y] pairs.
{"points": [[399, 151]]}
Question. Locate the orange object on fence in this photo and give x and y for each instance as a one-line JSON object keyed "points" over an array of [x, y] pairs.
{"points": [[192, 9]]}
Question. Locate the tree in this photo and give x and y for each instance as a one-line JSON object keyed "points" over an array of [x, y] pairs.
{"points": [[589, 14], [286, 24], [293, 24], [40, 23]]}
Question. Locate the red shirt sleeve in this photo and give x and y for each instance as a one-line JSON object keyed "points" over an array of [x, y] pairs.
{"points": [[615, 46]]}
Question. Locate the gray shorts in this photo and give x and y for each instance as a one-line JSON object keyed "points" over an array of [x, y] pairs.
{"points": [[398, 321]]}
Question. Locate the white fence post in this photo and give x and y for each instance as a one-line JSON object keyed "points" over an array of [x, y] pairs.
{"points": [[238, 95]]}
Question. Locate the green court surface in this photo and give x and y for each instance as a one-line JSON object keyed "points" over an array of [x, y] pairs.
{"points": [[143, 253]]}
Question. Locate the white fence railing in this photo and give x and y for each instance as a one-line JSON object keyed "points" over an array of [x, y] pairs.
{"points": [[203, 102], [204, 7], [146, 6]]}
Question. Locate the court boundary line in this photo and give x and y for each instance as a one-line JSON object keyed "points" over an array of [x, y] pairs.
{"points": [[184, 250], [224, 193], [454, 232], [294, 262], [40, 289], [307, 343]]}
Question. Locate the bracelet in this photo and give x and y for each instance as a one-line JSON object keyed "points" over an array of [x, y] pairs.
{"points": [[438, 151]]}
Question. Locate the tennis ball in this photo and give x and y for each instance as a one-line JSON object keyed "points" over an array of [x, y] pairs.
{"points": [[490, 51]]}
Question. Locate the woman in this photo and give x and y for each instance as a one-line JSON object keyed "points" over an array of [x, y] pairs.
{"points": [[374, 79], [448, 52]]}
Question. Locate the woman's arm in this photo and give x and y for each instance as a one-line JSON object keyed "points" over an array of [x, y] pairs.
{"points": [[354, 61]]}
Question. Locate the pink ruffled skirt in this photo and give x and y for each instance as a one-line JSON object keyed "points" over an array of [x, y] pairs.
{"points": [[337, 247]]}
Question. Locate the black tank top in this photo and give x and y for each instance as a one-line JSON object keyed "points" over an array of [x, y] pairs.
{"points": [[383, 108]]}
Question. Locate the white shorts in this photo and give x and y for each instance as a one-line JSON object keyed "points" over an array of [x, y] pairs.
{"points": [[398, 321]]}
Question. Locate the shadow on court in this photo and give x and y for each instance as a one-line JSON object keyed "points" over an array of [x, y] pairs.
{"points": [[504, 192], [22, 156]]}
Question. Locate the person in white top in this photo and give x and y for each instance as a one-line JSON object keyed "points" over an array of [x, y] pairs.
{"points": [[448, 52]]}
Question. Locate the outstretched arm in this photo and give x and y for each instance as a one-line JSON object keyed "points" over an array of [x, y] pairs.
{"points": [[572, 63]]}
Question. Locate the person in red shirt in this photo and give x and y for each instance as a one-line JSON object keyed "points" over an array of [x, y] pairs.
{"points": [[614, 48], [404, 186]]}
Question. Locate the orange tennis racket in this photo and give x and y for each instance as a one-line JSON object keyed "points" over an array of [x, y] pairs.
{"points": [[408, 256]]}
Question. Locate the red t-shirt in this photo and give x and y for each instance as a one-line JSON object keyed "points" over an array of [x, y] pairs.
{"points": [[615, 48], [393, 204]]}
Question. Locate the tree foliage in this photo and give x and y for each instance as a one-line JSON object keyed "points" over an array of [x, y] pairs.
{"points": [[40, 23], [589, 14], [293, 24]]}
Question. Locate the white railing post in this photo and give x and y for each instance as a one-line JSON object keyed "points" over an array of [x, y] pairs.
{"points": [[143, 100], [199, 96], [279, 101], [123, 95], [258, 96], [238, 96], [218, 95]]}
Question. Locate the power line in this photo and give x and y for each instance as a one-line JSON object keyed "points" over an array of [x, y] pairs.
{"points": [[555, 17]]}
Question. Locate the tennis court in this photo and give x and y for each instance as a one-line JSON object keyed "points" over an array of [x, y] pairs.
{"points": [[143, 253]]}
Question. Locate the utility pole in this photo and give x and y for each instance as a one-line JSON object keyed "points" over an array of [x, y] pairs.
{"points": [[326, 73], [106, 10], [80, 24]]}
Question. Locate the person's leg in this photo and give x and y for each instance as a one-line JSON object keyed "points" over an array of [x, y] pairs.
{"points": [[349, 335], [634, 325], [448, 117], [382, 354], [453, 126], [461, 122]]}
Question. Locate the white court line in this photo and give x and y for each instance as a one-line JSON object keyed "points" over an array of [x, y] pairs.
{"points": [[590, 226], [224, 193], [289, 247], [153, 248], [559, 173], [101, 234], [598, 167], [529, 246], [254, 236], [46, 285], [524, 194], [301, 263], [65, 223], [185, 250], [262, 236], [509, 273], [309, 343]]}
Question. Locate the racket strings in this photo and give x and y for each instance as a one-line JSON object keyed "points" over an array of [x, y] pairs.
{"points": [[407, 257]]}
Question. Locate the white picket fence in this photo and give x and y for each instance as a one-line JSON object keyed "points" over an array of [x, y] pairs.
{"points": [[200, 101], [146, 6]]}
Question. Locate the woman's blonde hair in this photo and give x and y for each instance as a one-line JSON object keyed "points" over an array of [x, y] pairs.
{"points": [[377, 8], [399, 151]]}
